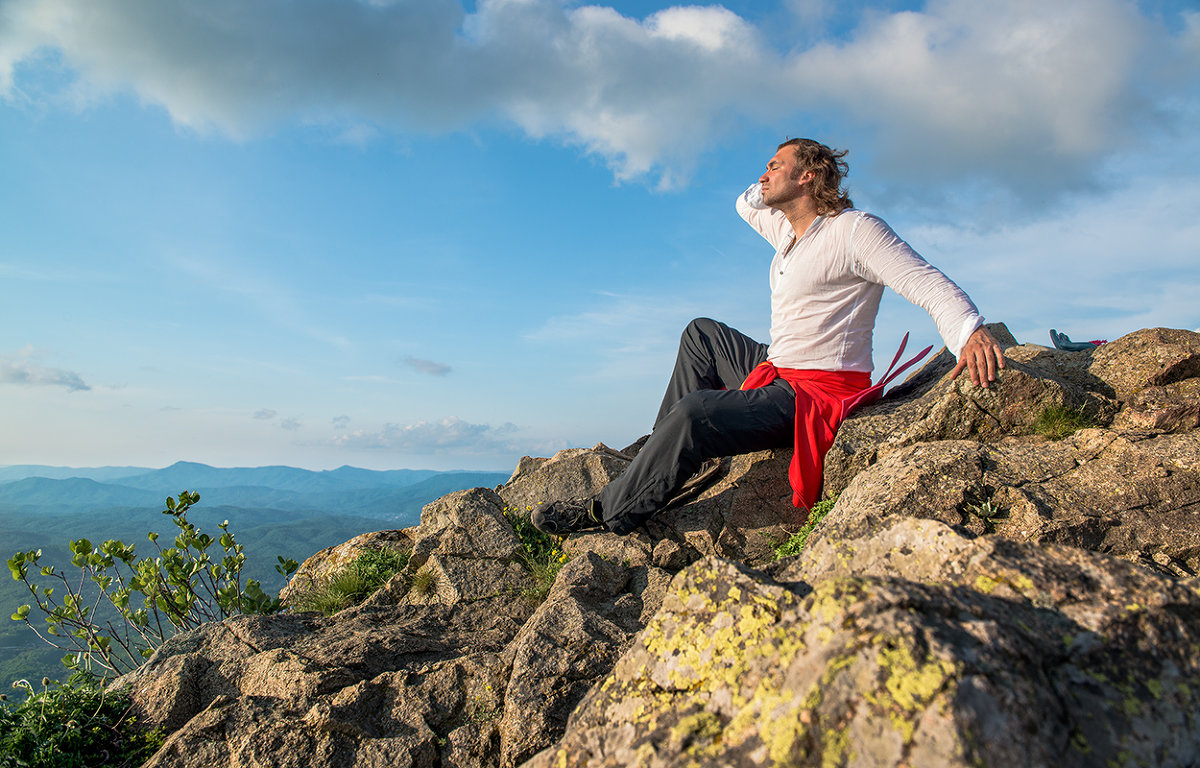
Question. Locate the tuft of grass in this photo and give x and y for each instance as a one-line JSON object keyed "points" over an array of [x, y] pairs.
{"points": [[353, 583], [541, 553], [1059, 421], [73, 725], [377, 565], [423, 581], [798, 540], [986, 509]]}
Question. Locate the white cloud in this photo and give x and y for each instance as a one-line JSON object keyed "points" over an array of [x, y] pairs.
{"points": [[1014, 90], [1190, 40], [20, 369], [1101, 269], [1020, 94], [647, 96], [430, 437], [265, 414], [714, 29], [810, 12]]}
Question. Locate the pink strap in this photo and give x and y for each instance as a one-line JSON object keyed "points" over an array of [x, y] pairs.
{"points": [[875, 392]]}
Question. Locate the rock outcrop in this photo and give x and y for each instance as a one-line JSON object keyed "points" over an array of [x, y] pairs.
{"points": [[986, 652], [978, 595]]}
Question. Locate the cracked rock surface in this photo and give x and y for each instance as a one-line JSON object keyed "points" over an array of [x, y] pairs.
{"points": [[980, 595], [912, 646]]}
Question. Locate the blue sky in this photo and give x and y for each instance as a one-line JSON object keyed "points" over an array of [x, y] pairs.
{"points": [[427, 233]]}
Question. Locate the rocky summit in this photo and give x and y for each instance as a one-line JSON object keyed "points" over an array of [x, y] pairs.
{"points": [[1008, 578]]}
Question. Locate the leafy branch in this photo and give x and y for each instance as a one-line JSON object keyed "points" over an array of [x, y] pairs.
{"points": [[177, 588]]}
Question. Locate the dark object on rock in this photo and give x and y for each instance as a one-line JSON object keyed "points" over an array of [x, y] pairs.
{"points": [[1063, 341]]}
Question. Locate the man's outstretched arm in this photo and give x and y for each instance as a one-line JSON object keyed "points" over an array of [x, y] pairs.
{"points": [[981, 357]]}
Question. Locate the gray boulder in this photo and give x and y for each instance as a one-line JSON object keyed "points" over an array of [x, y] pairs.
{"points": [[913, 646], [1035, 378], [574, 473], [590, 617]]}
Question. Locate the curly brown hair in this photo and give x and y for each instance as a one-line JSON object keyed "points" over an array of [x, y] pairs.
{"points": [[828, 168]]}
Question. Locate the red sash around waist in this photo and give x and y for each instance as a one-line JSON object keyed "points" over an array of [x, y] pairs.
{"points": [[823, 400]]}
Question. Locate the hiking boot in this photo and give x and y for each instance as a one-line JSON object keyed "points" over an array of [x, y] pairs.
{"points": [[559, 518], [708, 474]]}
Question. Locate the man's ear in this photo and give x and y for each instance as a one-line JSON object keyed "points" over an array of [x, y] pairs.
{"points": [[806, 177]]}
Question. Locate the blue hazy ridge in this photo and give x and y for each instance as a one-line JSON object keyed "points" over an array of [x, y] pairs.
{"points": [[271, 510]]}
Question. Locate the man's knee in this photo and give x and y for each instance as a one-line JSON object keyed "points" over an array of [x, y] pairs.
{"points": [[700, 327]]}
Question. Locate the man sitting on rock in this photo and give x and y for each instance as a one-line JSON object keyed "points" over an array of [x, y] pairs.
{"points": [[729, 394]]}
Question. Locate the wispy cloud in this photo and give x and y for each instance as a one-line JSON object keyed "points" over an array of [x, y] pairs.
{"points": [[53, 273], [264, 294], [624, 320], [448, 435], [427, 366], [624, 334], [21, 369], [986, 93], [266, 414]]}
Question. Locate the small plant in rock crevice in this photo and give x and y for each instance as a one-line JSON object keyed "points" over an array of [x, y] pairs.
{"points": [[482, 708], [797, 541], [541, 553], [988, 511], [423, 581], [352, 583]]}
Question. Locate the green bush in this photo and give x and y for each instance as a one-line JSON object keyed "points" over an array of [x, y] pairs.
{"points": [[798, 540], [117, 608], [75, 725], [350, 585]]}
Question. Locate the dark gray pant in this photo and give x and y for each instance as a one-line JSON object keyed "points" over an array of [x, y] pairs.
{"points": [[703, 415]]}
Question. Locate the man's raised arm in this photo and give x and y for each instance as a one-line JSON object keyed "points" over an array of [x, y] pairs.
{"points": [[768, 222]]}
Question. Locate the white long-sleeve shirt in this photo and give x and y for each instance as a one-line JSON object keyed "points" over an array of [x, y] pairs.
{"points": [[826, 286]]}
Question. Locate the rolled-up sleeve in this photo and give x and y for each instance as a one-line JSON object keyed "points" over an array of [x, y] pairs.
{"points": [[768, 222]]}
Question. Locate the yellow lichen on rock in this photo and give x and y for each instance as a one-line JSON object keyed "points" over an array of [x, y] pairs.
{"points": [[707, 651], [702, 725], [985, 584], [910, 685]]}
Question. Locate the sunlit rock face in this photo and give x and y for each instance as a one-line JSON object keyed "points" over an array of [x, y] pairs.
{"points": [[991, 588]]}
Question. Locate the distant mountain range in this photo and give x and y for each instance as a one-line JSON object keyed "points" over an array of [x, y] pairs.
{"points": [[272, 511], [392, 494]]}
